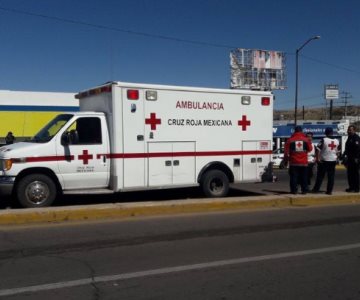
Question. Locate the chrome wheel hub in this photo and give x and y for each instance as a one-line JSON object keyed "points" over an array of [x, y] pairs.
{"points": [[37, 192]]}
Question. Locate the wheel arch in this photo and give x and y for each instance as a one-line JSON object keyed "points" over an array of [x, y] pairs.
{"points": [[38, 170], [216, 165]]}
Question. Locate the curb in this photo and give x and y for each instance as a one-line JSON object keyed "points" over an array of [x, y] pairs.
{"points": [[340, 167], [141, 209], [337, 167]]}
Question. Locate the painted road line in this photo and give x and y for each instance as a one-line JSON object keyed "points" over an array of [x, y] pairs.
{"points": [[170, 270]]}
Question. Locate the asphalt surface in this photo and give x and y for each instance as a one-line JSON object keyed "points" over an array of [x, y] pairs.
{"points": [[163, 202], [289, 253]]}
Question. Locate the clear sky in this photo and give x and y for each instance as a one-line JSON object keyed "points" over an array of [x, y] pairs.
{"points": [[69, 46]]}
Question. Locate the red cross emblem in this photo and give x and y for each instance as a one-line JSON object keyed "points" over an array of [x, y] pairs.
{"points": [[85, 157], [153, 121], [332, 145], [243, 123]]}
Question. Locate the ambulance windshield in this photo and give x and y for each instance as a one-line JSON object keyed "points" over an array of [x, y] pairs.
{"points": [[51, 129]]}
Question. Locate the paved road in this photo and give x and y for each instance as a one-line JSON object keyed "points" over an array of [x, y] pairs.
{"points": [[293, 253]]}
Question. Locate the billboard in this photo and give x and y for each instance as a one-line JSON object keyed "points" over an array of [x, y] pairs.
{"points": [[257, 69], [267, 60]]}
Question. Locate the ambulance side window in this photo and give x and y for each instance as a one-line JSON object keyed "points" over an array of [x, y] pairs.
{"points": [[87, 131]]}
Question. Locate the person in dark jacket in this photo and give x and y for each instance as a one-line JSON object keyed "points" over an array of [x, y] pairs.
{"points": [[296, 153], [352, 159], [9, 139]]}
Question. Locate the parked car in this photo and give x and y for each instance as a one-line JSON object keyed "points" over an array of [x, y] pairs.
{"points": [[278, 158]]}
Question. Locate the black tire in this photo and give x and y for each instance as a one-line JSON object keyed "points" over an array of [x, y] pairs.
{"points": [[282, 165], [215, 184], [36, 190]]}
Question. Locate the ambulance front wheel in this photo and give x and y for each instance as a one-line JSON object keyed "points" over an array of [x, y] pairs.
{"points": [[36, 190], [215, 183]]}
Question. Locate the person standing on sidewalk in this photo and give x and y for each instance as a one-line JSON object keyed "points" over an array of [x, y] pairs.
{"points": [[10, 138], [296, 151], [352, 159], [329, 151]]}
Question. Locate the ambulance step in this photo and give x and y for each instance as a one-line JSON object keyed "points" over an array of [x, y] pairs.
{"points": [[88, 191]]}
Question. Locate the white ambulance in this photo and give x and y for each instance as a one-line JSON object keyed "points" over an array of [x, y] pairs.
{"points": [[131, 136]]}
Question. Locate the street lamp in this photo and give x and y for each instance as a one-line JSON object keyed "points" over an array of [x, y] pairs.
{"points": [[297, 72]]}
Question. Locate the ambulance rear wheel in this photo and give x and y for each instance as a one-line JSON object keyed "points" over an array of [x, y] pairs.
{"points": [[215, 184], [36, 190]]}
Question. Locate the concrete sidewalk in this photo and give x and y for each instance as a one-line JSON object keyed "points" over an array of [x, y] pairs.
{"points": [[138, 209]]}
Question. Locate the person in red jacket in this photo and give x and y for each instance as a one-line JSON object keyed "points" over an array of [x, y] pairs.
{"points": [[296, 154]]}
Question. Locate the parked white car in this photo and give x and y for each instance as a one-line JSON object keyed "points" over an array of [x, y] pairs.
{"points": [[278, 158]]}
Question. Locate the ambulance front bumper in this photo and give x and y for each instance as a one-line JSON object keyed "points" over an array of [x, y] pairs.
{"points": [[6, 185]]}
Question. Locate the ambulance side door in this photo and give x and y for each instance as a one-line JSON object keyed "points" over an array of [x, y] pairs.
{"points": [[85, 164], [168, 164]]}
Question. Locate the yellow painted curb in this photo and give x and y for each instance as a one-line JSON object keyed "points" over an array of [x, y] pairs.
{"points": [[130, 210], [127, 210], [340, 167], [323, 199]]}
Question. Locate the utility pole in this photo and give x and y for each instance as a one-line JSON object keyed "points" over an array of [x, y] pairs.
{"points": [[345, 96], [303, 112], [331, 109], [326, 109]]}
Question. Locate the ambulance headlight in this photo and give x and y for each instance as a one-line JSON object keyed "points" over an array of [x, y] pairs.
{"points": [[5, 164], [245, 100]]}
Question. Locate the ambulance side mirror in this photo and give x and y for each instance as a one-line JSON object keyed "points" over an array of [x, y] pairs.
{"points": [[71, 137], [74, 137], [65, 140]]}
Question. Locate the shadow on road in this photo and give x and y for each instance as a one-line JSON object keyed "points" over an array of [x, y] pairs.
{"points": [[6, 202], [144, 196], [276, 192]]}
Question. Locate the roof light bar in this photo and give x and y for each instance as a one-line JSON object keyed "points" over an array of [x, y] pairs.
{"points": [[97, 91]]}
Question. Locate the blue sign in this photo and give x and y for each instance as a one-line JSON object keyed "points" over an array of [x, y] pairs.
{"points": [[317, 129]]}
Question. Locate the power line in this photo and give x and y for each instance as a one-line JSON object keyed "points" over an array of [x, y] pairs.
{"points": [[331, 65], [326, 63], [157, 36], [104, 27]]}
